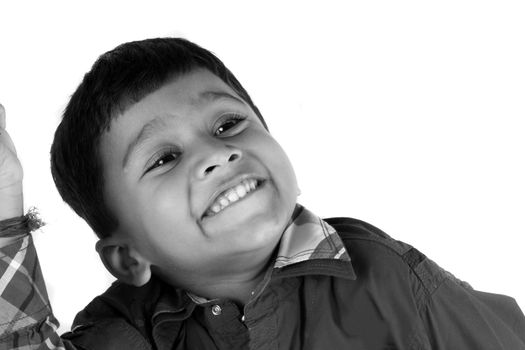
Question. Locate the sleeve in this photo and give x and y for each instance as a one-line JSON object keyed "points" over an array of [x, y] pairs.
{"points": [[26, 319], [458, 317]]}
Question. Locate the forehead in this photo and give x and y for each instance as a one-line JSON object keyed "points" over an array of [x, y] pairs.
{"points": [[194, 89], [175, 103], [189, 92]]}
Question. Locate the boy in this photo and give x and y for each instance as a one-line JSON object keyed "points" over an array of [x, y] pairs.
{"points": [[163, 153]]}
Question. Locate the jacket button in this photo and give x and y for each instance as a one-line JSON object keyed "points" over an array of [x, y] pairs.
{"points": [[216, 310]]}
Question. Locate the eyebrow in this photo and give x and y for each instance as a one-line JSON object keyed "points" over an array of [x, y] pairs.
{"points": [[213, 96], [159, 122], [147, 131]]}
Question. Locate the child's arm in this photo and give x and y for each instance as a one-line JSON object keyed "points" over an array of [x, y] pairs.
{"points": [[11, 201], [26, 320]]}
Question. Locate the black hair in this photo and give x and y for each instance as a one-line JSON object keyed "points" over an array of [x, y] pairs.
{"points": [[118, 79]]}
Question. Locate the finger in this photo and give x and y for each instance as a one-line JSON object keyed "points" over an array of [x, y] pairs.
{"points": [[2, 117], [5, 139]]}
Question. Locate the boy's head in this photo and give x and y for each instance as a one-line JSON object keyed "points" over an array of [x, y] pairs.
{"points": [[163, 153], [118, 79]]}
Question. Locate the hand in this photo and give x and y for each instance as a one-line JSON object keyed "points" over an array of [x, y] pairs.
{"points": [[11, 174]]}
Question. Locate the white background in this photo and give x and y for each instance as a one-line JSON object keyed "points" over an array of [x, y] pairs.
{"points": [[406, 114]]}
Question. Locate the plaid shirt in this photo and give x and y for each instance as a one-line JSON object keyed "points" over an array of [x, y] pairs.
{"points": [[26, 319]]}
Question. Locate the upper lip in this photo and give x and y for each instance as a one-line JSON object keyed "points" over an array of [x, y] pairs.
{"points": [[227, 184]]}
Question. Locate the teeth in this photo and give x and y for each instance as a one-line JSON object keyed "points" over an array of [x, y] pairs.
{"points": [[241, 190], [232, 195]]}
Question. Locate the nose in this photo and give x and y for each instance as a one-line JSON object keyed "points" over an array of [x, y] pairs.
{"points": [[216, 157]]}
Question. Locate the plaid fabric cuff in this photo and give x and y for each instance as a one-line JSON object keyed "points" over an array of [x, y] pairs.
{"points": [[22, 225], [26, 320]]}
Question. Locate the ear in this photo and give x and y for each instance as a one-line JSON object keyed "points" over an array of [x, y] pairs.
{"points": [[124, 262]]}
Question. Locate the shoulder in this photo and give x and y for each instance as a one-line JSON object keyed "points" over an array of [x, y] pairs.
{"points": [[106, 334], [372, 250], [368, 240], [114, 320], [453, 314]]}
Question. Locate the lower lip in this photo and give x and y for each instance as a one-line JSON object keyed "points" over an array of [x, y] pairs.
{"points": [[260, 185]]}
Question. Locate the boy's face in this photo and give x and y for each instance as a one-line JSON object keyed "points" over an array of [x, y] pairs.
{"points": [[167, 162]]}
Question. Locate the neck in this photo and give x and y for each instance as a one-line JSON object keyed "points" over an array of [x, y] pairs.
{"points": [[235, 284], [233, 277], [237, 287]]}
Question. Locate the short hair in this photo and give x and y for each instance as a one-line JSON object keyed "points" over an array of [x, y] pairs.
{"points": [[118, 79]]}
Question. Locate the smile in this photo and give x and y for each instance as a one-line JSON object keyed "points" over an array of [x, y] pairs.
{"points": [[232, 195]]}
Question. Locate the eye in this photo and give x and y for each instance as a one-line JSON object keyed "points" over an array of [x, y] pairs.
{"points": [[162, 158], [228, 123]]}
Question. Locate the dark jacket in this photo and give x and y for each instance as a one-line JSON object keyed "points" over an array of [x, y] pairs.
{"points": [[390, 296]]}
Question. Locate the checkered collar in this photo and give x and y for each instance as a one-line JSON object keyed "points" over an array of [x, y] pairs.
{"points": [[308, 237]]}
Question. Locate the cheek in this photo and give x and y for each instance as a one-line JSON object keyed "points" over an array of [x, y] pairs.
{"points": [[281, 165], [166, 209], [280, 170], [273, 157], [166, 203], [164, 215]]}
